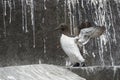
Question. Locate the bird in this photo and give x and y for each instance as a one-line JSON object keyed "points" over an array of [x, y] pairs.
{"points": [[70, 47], [87, 32], [71, 43]]}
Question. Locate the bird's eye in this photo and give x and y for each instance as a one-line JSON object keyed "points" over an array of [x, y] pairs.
{"points": [[62, 26]]}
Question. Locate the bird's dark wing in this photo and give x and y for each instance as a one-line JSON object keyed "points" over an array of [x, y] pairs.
{"points": [[87, 33], [84, 25], [98, 32]]}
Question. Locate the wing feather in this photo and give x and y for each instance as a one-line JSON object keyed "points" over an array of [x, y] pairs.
{"points": [[87, 33]]}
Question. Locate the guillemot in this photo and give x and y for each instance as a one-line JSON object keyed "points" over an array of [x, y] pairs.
{"points": [[70, 47], [70, 43]]}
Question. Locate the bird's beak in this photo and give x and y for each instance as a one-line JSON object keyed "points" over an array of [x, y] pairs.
{"points": [[57, 28]]}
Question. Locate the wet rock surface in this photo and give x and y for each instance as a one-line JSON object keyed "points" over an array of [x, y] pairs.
{"points": [[37, 72], [98, 72], [19, 43], [52, 72]]}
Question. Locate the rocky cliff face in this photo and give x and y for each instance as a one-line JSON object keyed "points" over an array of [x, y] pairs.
{"points": [[26, 36]]}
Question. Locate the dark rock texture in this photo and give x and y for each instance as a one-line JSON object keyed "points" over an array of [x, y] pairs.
{"points": [[99, 73]]}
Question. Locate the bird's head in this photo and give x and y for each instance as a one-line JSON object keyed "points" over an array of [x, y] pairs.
{"points": [[64, 28]]}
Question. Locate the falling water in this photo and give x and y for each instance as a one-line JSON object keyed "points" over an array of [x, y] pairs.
{"points": [[24, 15], [65, 10], [26, 3], [101, 14], [10, 6], [4, 15], [71, 4], [45, 5], [44, 42], [100, 17], [33, 21], [43, 21], [100, 20]]}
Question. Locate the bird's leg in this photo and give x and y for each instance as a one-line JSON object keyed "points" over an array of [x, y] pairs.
{"points": [[68, 62], [76, 64], [82, 64]]}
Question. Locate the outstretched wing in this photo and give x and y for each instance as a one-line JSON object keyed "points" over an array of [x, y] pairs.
{"points": [[91, 32], [98, 32]]}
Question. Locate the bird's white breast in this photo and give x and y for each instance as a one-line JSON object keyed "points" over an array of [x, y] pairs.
{"points": [[70, 48]]}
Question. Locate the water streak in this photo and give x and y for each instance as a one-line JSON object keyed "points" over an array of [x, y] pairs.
{"points": [[24, 16], [45, 5], [10, 6], [33, 21], [44, 42], [4, 15], [102, 15], [101, 11], [71, 15]]}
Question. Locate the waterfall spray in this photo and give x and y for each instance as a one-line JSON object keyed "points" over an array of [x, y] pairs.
{"points": [[4, 15], [24, 16]]}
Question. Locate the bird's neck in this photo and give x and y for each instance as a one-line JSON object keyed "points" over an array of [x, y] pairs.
{"points": [[66, 32]]}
